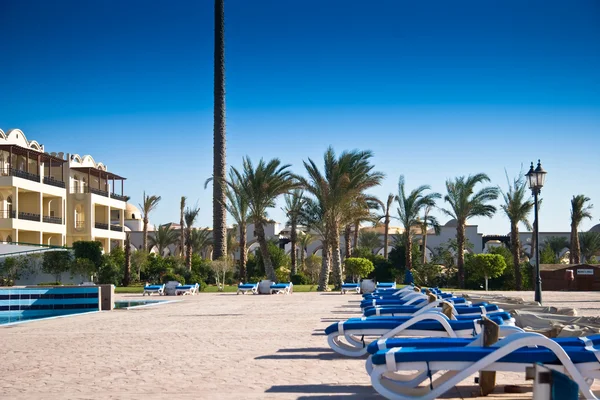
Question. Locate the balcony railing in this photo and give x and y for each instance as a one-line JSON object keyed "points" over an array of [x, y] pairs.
{"points": [[117, 228], [119, 197], [48, 180], [8, 214], [100, 225], [29, 216], [98, 192], [52, 220], [19, 174], [79, 224]]}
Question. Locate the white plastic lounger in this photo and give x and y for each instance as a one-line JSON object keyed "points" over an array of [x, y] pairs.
{"points": [[350, 287], [447, 367], [149, 289], [243, 288], [351, 337], [186, 289], [282, 288]]}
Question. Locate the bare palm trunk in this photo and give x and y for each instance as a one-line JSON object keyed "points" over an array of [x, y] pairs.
{"points": [[264, 251], [293, 240], [145, 238], [409, 251], [219, 198], [325, 268], [460, 256], [424, 255], [356, 228], [182, 236], [575, 251], [386, 237], [188, 250], [516, 253], [336, 259], [347, 244], [243, 254], [127, 272], [302, 255]]}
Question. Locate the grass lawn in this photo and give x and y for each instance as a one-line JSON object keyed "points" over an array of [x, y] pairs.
{"points": [[213, 289]]}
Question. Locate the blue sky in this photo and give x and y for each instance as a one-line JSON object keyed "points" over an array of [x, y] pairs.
{"points": [[436, 89]]}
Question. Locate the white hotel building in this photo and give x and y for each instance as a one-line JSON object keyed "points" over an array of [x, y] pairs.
{"points": [[56, 199]]}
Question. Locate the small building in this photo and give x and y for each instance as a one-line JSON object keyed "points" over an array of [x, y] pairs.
{"points": [[586, 277]]}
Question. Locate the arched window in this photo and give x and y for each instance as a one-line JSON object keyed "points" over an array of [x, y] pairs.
{"points": [[79, 216]]}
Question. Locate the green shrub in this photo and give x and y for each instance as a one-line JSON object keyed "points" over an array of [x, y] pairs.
{"points": [[110, 272], [300, 279], [282, 274], [173, 277], [49, 284], [358, 267]]}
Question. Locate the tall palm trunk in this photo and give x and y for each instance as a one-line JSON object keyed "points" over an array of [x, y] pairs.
{"points": [[181, 226], [294, 240], [325, 267], [145, 237], [188, 250], [347, 244], [302, 255], [356, 229], [127, 272], [575, 251], [408, 254], [336, 258], [264, 250], [424, 253], [516, 253], [460, 256], [219, 189], [386, 237], [243, 254]]}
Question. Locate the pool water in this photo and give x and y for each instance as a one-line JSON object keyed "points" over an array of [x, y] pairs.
{"points": [[125, 304], [10, 318]]}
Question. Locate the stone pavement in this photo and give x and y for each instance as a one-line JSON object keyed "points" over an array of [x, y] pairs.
{"points": [[209, 346]]}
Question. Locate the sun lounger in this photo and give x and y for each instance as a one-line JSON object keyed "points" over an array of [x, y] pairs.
{"points": [[243, 288], [186, 289], [149, 289], [386, 285], [350, 287], [351, 337], [514, 353], [282, 288], [394, 311]]}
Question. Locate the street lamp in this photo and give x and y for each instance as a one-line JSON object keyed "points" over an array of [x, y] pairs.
{"points": [[536, 178]]}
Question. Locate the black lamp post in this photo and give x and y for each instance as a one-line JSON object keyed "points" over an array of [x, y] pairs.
{"points": [[536, 178]]}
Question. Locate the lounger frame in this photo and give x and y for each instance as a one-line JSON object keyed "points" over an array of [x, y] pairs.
{"points": [[148, 290]]}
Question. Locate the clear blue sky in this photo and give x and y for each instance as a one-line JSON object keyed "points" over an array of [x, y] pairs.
{"points": [[436, 89]]}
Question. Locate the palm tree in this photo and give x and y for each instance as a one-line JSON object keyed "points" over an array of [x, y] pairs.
{"points": [[127, 272], [148, 205], [294, 202], [232, 244], [386, 208], [164, 236], [201, 241], [590, 245], [579, 212], [557, 244], [344, 178], [261, 186], [465, 204], [517, 206], [369, 240], [189, 217], [237, 205], [409, 208], [358, 211], [304, 239], [313, 217], [181, 226], [428, 221], [219, 165]]}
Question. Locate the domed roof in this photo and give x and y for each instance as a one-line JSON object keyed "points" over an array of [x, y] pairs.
{"points": [[452, 223], [595, 228], [132, 212]]}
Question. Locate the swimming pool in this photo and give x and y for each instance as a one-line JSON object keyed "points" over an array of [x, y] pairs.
{"points": [[127, 304], [11, 318]]}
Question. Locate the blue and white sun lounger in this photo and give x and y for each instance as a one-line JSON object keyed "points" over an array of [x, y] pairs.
{"points": [[394, 311], [350, 287], [243, 288], [149, 289], [386, 285], [282, 288], [187, 289], [351, 337], [394, 375]]}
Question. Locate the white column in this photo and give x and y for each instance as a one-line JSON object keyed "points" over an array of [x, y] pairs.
{"points": [[16, 201], [41, 206]]}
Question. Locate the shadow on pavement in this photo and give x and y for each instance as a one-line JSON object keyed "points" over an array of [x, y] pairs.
{"points": [[341, 391], [304, 350]]}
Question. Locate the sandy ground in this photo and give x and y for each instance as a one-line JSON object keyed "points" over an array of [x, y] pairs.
{"points": [[210, 346]]}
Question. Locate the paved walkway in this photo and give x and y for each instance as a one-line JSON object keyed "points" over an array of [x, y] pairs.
{"points": [[210, 346]]}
